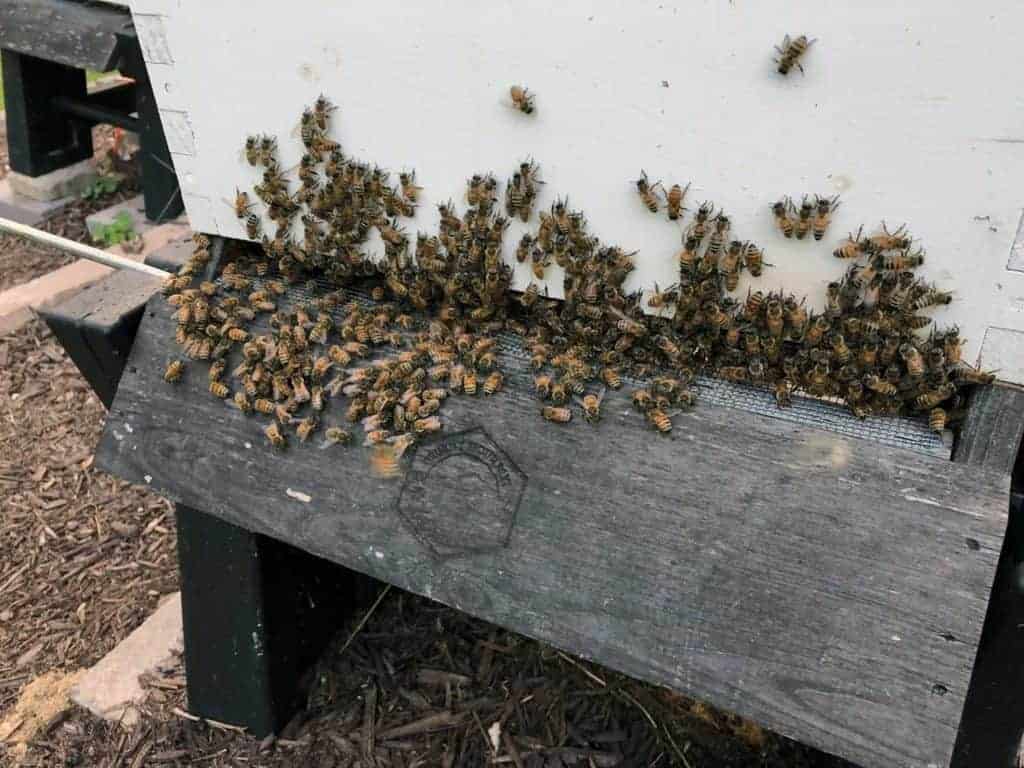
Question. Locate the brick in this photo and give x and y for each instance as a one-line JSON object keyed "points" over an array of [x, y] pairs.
{"points": [[25, 210], [63, 182], [112, 687], [16, 303]]}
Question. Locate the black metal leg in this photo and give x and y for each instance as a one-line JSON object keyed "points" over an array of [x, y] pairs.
{"points": [[40, 138], [993, 718], [257, 613]]}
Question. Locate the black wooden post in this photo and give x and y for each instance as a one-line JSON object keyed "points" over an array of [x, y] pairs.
{"points": [[257, 613], [40, 138], [993, 718], [159, 181]]}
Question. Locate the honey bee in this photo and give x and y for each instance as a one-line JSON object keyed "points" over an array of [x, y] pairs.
{"points": [[611, 378], [780, 210], [557, 415], [823, 216], [675, 198], [660, 420], [237, 335], [790, 53], [522, 99], [968, 375], [469, 382], [688, 255], [899, 262], [174, 370], [929, 400], [699, 227], [802, 225], [337, 435], [523, 249], [219, 389], [646, 191], [424, 426], [242, 402], [851, 247], [304, 428], [660, 299], [242, 204], [891, 241], [642, 399], [492, 383], [753, 259], [591, 405], [216, 370], [542, 386], [937, 418], [409, 189], [273, 433], [879, 385], [264, 406], [783, 393], [253, 226]]}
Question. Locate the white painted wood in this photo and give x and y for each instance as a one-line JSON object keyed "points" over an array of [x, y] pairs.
{"points": [[911, 111]]}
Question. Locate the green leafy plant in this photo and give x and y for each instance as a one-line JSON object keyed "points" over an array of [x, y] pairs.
{"points": [[117, 231], [103, 186]]}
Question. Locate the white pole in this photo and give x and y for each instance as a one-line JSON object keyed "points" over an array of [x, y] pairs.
{"points": [[79, 249]]}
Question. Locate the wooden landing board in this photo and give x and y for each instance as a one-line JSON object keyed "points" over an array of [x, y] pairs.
{"points": [[824, 586]]}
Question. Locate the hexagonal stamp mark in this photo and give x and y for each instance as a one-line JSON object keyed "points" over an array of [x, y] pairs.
{"points": [[461, 494]]}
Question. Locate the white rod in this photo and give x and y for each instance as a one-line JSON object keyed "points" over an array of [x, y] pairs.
{"points": [[79, 249]]}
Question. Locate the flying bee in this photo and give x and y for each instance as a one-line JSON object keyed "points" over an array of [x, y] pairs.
{"points": [[557, 415], [780, 210], [790, 53], [699, 228], [174, 370], [522, 99], [802, 225], [675, 198], [823, 215], [646, 191]]}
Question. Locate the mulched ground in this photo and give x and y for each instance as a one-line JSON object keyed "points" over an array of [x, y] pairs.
{"points": [[21, 261], [83, 557]]}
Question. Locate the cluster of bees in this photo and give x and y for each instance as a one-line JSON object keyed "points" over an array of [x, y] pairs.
{"points": [[812, 217], [441, 299]]}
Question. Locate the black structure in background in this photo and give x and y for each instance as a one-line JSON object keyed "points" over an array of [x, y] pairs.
{"points": [[46, 48]]}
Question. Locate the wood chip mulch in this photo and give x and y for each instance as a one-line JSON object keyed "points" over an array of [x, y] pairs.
{"points": [[84, 558]]}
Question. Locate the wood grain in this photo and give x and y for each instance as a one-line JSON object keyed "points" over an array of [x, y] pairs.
{"points": [[824, 586], [77, 34], [992, 432]]}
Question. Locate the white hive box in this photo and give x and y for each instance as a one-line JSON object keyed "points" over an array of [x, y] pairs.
{"points": [[911, 112]]}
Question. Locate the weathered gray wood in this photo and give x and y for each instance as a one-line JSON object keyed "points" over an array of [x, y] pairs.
{"points": [[824, 586], [992, 431], [77, 34]]}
